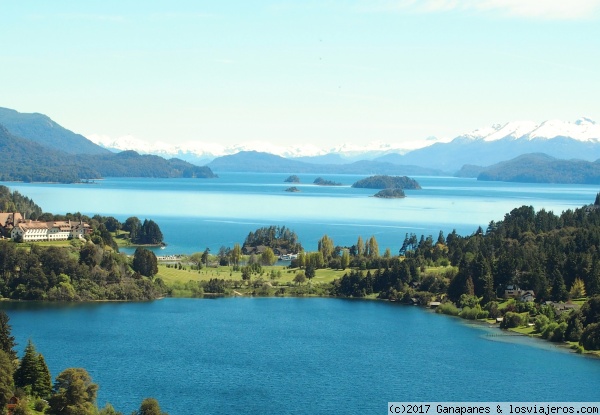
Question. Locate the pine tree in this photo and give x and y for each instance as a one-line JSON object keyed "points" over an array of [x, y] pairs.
{"points": [[26, 373], [6, 378], [7, 341], [43, 384], [33, 373]]}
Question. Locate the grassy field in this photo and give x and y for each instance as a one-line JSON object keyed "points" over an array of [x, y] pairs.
{"points": [[174, 275]]}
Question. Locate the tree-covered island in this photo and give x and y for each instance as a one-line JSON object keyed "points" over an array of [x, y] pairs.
{"points": [[319, 181], [393, 193], [292, 179], [387, 182]]}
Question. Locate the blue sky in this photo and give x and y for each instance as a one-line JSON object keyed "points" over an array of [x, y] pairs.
{"points": [[299, 72]]}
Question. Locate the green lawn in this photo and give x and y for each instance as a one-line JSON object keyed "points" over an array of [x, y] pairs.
{"points": [[174, 275]]}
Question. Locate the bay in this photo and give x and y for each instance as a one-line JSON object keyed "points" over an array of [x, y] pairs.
{"points": [[294, 355], [198, 213]]}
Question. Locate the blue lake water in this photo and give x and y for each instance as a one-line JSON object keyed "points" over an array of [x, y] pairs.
{"points": [[294, 356], [197, 213]]}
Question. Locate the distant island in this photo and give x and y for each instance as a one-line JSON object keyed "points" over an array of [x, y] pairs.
{"points": [[292, 189], [322, 182], [387, 182], [393, 193], [292, 179]]}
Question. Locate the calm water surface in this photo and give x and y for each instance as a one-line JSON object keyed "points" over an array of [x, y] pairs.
{"points": [[198, 213], [296, 356]]}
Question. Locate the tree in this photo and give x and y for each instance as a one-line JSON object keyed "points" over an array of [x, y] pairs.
{"points": [[300, 278], [205, 256], [33, 373], [149, 406], [149, 233], [268, 257], [326, 246], [132, 225], [6, 378], [372, 248], [345, 261], [109, 410], [236, 254], [74, 393], [7, 341], [360, 247], [577, 289], [145, 262], [310, 272]]}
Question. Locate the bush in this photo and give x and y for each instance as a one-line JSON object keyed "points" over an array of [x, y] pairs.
{"points": [[447, 308], [541, 321], [512, 320]]}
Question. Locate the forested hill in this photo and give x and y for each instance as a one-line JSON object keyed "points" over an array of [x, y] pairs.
{"points": [[27, 161], [541, 168], [11, 202], [42, 130], [24, 160]]}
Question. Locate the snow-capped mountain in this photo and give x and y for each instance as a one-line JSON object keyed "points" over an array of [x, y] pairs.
{"points": [[583, 129], [487, 146], [202, 151], [484, 146]]}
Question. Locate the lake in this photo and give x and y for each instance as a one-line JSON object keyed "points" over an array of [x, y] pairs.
{"points": [[291, 355], [294, 355], [198, 213]]}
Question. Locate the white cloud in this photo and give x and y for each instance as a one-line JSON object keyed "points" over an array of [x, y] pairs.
{"points": [[537, 9]]}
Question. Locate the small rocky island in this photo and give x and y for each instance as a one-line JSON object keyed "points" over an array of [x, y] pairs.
{"points": [[292, 179], [322, 182], [394, 193], [292, 189], [387, 182]]}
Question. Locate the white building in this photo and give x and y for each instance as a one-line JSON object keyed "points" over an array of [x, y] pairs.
{"points": [[29, 231]]}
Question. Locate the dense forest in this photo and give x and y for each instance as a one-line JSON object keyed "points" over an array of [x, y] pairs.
{"points": [[86, 270], [387, 182], [541, 168], [555, 256], [15, 202], [26, 384], [29, 161]]}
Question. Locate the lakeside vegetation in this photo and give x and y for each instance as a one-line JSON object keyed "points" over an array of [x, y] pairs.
{"points": [[26, 384], [552, 258]]}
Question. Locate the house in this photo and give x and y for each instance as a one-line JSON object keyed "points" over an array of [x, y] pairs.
{"points": [[528, 296], [434, 304], [30, 231], [513, 291]]}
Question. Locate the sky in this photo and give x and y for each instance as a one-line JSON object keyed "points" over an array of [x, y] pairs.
{"points": [[299, 73]]}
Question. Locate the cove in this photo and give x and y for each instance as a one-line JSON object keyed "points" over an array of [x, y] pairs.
{"points": [[293, 355]]}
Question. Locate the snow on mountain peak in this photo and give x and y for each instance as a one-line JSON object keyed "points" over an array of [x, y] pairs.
{"points": [[584, 129]]}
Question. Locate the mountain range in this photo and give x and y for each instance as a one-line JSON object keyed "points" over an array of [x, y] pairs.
{"points": [[35, 148], [484, 146]]}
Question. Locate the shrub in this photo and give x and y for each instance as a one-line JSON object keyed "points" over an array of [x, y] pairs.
{"points": [[447, 308]]}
